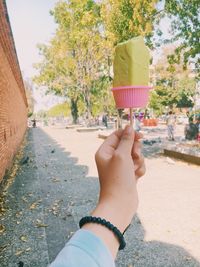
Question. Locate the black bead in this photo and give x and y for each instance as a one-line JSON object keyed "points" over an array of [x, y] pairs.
{"points": [[107, 224], [112, 227]]}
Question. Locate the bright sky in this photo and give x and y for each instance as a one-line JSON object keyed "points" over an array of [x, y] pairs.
{"points": [[32, 24]]}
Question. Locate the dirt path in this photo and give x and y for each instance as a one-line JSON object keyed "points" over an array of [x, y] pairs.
{"points": [[58, 185]]}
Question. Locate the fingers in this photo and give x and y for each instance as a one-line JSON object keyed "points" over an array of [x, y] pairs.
{"points": [[136, 149], [126, 142], [138, 135], [138, 159], [120, 140], [141, 171], [108, 147], [113, 139], [139, 165]]}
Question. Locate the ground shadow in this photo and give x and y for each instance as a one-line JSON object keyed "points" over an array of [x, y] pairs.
{"points": [[49, 195], [39, 205]]}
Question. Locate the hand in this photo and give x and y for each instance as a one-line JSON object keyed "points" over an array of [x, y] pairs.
{"points": [[120, 163]]}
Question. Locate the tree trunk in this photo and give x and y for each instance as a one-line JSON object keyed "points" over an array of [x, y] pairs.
{"points": [[88, 106], [74, 110]]}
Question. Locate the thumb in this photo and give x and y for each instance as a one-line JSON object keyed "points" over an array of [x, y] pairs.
{"points": [[126, 141]]}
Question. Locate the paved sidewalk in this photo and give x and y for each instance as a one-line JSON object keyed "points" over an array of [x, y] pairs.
{"points": [[59, 185]]}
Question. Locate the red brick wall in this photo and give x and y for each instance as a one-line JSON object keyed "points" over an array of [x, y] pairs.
{"points": [[13, 104]]}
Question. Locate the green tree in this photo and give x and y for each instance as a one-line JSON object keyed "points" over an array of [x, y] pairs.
{"points": [[76, 56], [125, 19], [29, 95], [173, 86], [59, 110], [77, 61], [41, 114], [186, 29], [55, 69]]}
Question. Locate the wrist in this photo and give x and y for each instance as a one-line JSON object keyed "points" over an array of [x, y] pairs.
{"points": [[119, 216], [110, 212], [100, 221], [117, 209]]}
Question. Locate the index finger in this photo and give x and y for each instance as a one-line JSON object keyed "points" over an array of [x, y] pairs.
{"points": [[112, 140]]}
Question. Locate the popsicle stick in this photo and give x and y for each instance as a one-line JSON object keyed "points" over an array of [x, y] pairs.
{"points": [[131, 117]]}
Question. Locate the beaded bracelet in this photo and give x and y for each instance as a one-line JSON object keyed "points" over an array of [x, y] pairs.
{"points": [[110, 226]]}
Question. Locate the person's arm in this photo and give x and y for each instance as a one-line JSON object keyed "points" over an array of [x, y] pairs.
{"points": [[119, 163], [84, 249]]}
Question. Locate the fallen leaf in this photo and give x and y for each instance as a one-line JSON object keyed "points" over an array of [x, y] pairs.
{"points": [[2, 248], [38, 225], [2, 228], [35, 205], [19, 252], [2, 210], [18, 214], [55, 180], [23, 238], [41, 236], [24, 199]]}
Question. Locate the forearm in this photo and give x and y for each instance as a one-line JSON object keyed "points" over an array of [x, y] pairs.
{"points": [[120, 164]]}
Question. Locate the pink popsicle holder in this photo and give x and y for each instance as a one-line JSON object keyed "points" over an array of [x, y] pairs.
{"points": [[131, 96]]}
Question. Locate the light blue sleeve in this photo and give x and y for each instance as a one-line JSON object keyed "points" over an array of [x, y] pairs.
{"points": [[84, 249]]}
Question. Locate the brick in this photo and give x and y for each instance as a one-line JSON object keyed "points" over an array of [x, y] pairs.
{"points": [[13, 103]]}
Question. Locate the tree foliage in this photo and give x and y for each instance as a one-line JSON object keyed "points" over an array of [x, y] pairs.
{"points": [[125, 19], [186, 29], [173, 86], [59, 110], [77, 57], [77, 62], [29, 95]]}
